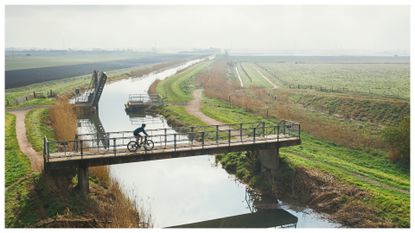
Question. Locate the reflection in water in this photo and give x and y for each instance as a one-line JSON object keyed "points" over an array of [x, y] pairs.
{"points": [[260, 219], [177, 191]]}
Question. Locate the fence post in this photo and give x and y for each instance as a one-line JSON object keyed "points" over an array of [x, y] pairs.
{"points": [[75, 145], [114, 142], [165, 138], [192, 133], [82, 148], [48, 151], [44, 151], [175, 142], [263, 129], [65, 143], [278, 133], [229, 137], [299, 131], [108, 140], [217, 134], [284, 129], [240, 131], [254, 134], [203, 139]]}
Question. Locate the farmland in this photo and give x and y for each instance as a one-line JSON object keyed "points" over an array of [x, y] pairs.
{"points": [[22, 77], [250, 75], [390, 80], [18, 60]]}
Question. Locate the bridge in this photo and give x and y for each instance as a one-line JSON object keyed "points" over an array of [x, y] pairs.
{"points": [[262, 138], [137, 102]]}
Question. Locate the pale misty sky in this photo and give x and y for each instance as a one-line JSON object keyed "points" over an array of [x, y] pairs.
{"points": [[277, 28]]}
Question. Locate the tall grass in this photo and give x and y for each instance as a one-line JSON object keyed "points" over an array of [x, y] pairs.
{"points": [[63, 119]]}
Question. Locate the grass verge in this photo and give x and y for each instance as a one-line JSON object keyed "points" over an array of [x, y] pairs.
{"points": [[38, 126], [178, 88], [18, 174]]}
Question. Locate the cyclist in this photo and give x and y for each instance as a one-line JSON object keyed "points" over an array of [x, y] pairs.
{"points": [[139, 133]]}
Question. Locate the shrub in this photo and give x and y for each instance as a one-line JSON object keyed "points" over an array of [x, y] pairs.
{"points": [[398, 141]]}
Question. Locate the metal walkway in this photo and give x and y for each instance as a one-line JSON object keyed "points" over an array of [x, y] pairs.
{"points": [[187, 141], [92, 95]]}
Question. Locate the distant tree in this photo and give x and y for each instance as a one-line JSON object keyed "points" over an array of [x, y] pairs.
{"points": [[398, 140]]}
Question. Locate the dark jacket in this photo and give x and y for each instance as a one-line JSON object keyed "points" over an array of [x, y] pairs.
{"points": [[139, 130]]}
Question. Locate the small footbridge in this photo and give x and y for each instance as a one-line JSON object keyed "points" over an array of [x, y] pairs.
{"points": [[262, 138]]}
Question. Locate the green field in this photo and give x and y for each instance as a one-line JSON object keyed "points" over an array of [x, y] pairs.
{"points": [[376, 79], [250, 77]]}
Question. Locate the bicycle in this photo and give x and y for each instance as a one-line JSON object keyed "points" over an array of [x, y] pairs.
{"points": [[148, 145]]}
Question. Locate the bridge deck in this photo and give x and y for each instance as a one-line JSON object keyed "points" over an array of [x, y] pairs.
{"points": [[198, 141], [97, 157]]}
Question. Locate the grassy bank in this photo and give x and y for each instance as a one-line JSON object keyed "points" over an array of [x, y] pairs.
{"points": [[387, 184], [37, 127], [18, 175], [177, 90]]}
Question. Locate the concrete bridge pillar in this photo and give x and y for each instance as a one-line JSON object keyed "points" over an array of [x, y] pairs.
{"points": [[83, 178], [268, 158]]}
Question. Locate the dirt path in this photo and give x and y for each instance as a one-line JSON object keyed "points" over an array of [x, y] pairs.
{"points": [[194, 109], [36, 159], [267, 79]]}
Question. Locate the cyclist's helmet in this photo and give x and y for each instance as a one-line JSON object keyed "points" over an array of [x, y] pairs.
{"points": [[143, 125]]}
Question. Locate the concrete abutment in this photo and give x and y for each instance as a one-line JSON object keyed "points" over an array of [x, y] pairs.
{"points": [[268, 158]]}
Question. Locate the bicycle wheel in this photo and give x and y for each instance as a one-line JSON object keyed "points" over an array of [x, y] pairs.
{"points": [[132, 146], [148, 145]]}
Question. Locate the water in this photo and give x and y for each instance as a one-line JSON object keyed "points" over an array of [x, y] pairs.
{"points": [[176, 191]]}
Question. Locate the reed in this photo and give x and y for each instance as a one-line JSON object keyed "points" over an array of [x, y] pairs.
{"points": [[63, 119]]}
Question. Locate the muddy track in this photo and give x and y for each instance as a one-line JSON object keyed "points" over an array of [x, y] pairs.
{"points": [[193, 108], [36, 160]]}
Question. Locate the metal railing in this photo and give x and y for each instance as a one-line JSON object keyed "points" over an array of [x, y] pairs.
{"points": [[143, 98], [166, 138]]}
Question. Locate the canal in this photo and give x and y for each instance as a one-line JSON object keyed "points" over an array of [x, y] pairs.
{"points": [[177, 191]]}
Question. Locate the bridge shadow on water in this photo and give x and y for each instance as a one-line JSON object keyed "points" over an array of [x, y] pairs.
{"points": [[260, 219], [265, 212]]}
